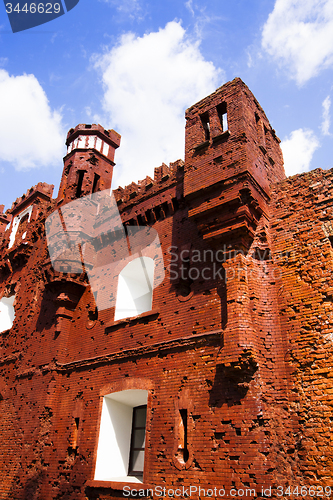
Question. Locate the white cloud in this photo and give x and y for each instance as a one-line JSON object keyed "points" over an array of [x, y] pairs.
{"points": [[298, 150], [189, 6], [325, 126], [299, 35], [128, 7], [149, 82], [31, 133]]}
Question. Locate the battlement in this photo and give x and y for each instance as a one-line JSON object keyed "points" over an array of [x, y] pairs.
{"points": [[164, 175], [42, 190]]}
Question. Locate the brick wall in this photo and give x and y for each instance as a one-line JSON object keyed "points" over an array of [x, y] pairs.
{"points": [[236, 347]]}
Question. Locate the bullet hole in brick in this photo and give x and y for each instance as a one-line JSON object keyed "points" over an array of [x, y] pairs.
{"points": [[238, 431], [196, 465]]}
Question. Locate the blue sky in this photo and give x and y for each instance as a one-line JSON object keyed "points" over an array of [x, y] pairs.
{"points": [[136, 65]]}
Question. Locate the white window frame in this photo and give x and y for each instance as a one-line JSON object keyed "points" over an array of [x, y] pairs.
{"points": [[113, 450], [135, 288], [7, 313]]}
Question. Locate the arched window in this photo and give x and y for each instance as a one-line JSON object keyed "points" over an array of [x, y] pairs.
{"points": [[121, 443], [7, 313], [135, 288]]}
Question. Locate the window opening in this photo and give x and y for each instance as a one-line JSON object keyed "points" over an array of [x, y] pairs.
{"points": [[7, 313], [121, 443], [222, 114], [206, 125], [79, 183], [96, 183], [135, 288], [137, 448], [16, 222], [182, 436]]}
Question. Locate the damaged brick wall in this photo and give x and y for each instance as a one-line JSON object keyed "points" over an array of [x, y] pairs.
{"points": [[235, 350]]}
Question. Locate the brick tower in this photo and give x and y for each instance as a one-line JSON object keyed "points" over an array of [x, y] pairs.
{"points": [[232, 156], [88, 165]]}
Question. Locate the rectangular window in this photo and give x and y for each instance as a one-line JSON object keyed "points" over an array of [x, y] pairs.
{"points": [[206, 125], [79, 183], [96, 183], [137, 448], [222, 114], [121, 443]]}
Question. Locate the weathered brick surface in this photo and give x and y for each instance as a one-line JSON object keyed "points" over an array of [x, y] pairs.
{"points": [[239, 335]]}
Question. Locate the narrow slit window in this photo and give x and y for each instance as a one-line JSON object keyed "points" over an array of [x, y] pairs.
{"points": [[260, 131], [182, 436], [222, 114], [96, 183], [206, 125], [79, 183]]}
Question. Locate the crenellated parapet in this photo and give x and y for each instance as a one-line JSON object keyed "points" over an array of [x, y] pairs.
{"points": [[149, 200], [42, 191]]}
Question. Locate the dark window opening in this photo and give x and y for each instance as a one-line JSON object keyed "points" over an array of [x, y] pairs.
{"points": [[165, 208], [175, 204], [137, 448], [79, 183], [222, 114], [206, 126], [141, 220], [182, 439], [260, 130], [157, 211], [96, 183]]}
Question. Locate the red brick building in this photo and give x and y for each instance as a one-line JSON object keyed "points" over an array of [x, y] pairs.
{"points": [[176, 335]]}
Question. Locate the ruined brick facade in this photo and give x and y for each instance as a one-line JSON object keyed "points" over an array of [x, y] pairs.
{"points": [[233, 355]]}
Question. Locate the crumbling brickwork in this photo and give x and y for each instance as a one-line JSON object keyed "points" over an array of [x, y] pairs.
{"points": [[231, 352]]}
